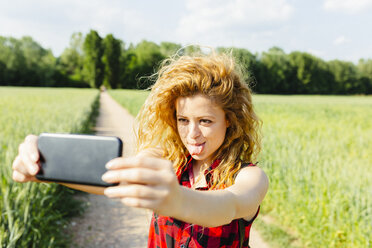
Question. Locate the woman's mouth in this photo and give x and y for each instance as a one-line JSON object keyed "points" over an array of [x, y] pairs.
{"points": [[196, 149]]}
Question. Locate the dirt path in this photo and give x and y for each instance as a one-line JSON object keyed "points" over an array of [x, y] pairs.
{"points": [[107, 222]]}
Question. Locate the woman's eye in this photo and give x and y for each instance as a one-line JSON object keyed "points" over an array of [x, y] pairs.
{"points": [[182, 120], [205, 121]]}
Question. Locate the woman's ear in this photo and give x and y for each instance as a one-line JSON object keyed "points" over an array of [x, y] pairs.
{"points": [[227, 123]]}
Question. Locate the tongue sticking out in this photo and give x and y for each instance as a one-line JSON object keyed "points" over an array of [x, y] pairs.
{"points": [[196, 149]]}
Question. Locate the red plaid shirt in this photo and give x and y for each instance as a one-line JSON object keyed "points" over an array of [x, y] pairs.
{"points": [[169, 232]]}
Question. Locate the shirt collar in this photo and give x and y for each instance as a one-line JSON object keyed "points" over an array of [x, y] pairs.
{"points": [[183, 175]]}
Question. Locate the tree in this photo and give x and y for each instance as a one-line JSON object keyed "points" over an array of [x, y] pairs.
{"points": [[26, 62], [274, 72], [71, 60], [168, 49], [93, 66], [365, 68], [12, 56], [310, 74], [365, 75], [245, 59], [148, 58], [190, 50], [346, 76], [111, 61], [128, 64], [3, 74]]}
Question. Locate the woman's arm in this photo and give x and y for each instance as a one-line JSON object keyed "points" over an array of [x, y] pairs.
{"points": [[219, 207], [151, 183]]}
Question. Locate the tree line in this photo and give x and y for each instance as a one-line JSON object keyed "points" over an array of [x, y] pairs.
{"points": [[92, 61]]}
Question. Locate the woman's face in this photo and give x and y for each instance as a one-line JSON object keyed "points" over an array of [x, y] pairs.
{"points": [[201, 125]]}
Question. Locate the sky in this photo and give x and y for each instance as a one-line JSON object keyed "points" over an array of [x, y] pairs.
{"points": [[329, 29]]}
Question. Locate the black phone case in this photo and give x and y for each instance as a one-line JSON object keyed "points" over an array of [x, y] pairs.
{"points": [[76, 158]]}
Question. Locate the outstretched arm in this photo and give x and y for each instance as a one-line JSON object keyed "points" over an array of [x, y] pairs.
{"points": [[219, 207], [149, 182]]}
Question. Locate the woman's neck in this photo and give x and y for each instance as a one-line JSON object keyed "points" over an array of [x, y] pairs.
{"points": [[198, 169], [201, 165]]}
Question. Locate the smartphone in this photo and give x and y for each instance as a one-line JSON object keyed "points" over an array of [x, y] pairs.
{"points": [[76, 158]]}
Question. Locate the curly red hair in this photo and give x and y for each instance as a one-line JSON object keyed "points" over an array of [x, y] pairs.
{"points": [[218, 77]]}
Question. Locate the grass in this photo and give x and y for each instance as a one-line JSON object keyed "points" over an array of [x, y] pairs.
{"points": [[36, 214], [132, 100], [317, 154]]}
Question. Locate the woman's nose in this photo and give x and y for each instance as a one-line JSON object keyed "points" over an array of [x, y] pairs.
{"points": [[194, 130]]}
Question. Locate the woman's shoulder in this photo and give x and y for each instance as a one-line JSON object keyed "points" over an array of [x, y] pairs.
{"points": [[251, 173]]}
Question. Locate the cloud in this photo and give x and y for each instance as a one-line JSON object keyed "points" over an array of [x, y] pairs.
{"points": [[341, 40], [52, 22], [215, 18], [347, 6]]}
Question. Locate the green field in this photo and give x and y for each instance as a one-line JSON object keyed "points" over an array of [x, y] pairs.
{"points": [[132, 100], [33, 214], [317, 154]]}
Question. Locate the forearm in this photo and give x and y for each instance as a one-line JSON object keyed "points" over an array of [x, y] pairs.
{"points": [[151, 183], [206, 208]]}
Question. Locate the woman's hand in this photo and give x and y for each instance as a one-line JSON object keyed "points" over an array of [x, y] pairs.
{"points": [[145, 182], [25, 165]]}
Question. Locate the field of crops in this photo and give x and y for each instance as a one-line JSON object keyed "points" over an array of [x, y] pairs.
{"points": [[132, 100], [317, 154], [33, 214]]}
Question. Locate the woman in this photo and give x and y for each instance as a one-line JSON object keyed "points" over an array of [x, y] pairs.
{"points": [[197, 137]]}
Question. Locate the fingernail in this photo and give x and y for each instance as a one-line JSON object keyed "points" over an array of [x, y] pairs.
{"points": [[34, 157], [108, 165], [107, 191], [106, 176], [34, 170]]}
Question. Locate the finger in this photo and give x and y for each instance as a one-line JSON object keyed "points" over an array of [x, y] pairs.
{"points": [[19, 166], [21, 178], [134, 190], [144, 162], [140, 203], [31, 141], [134, 175], [26, 161]]}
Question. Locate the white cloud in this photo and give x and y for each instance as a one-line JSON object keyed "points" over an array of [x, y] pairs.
{"points": [[253, 24], [52, 22], [347, 6], [341, 40], [216, 18]]}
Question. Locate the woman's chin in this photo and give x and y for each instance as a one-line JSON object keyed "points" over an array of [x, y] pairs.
{"points": [[199, 157], [195, 156]]}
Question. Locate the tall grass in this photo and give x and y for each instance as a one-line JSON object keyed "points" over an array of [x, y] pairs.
{"points": [[35, 214], [132, 100], [317, 154]]}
